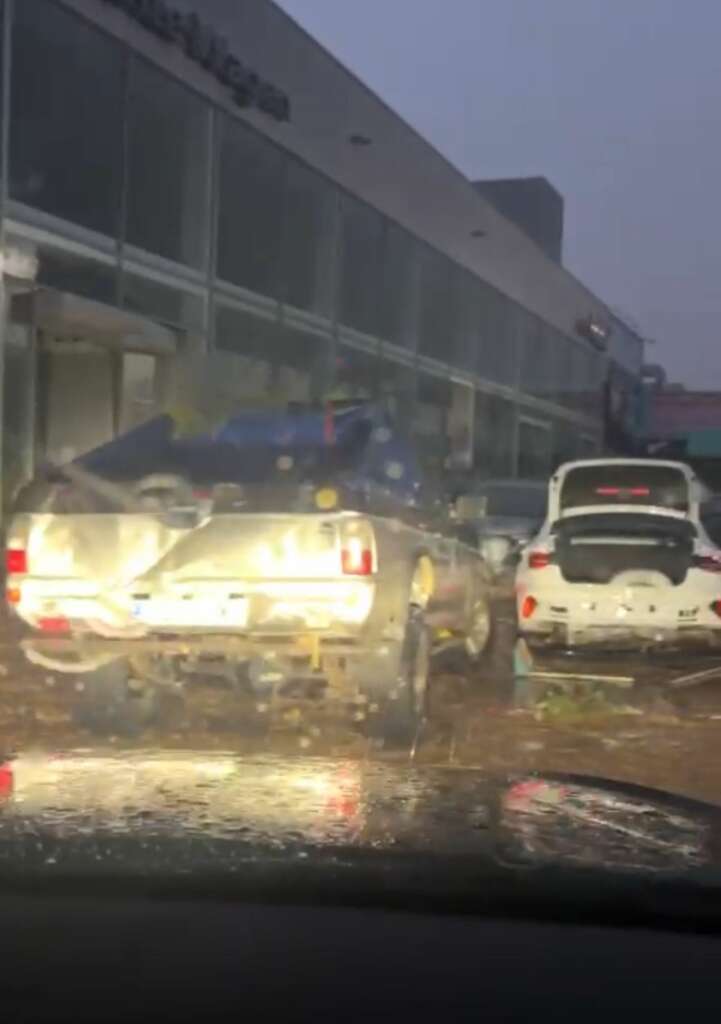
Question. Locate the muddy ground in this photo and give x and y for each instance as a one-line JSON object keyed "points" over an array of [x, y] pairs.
{"points": [[647, 732]]}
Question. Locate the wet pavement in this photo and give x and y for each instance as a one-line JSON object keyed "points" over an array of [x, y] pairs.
{"points": [[635, 725]]}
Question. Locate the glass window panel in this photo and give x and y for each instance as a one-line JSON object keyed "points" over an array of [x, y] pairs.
{"points": [[66, 124], [577, 376], [161, 302], [167, 160], [303, 364], [307, 261], [494, 435], [431, 423], [398, 390], [596, 375], [139, 390], [437, 309], [361, 263], [541, 358], [567, 443], [467, 341], [249, 342], [535, 450], [280, 362], [250, 209], [356, 373], [460, 426], [18, 436], [497, 352], [400, 267], [79, 275]]}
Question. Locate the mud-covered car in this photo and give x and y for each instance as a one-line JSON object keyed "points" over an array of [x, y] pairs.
{"points": [[301, 543], [622, 557]]}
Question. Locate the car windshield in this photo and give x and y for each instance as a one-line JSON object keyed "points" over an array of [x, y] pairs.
{"points": [[360, 422]]}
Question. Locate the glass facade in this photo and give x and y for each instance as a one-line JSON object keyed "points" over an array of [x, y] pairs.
{"points": [[187, 216], [167, 126], [67, 96]]}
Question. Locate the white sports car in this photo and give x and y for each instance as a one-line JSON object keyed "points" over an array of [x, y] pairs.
{"points": [[622, 556]]}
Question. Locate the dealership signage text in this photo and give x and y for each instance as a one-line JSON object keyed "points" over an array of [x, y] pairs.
{"points": [[211, 50]]}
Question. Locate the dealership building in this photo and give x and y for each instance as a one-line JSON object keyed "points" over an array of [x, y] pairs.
{"points": [[201, 208]]}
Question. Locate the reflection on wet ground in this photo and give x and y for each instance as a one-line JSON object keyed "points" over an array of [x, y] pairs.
{"points": [[621, 716]]}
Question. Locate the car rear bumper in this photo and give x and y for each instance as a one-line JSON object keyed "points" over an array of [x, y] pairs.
{"points": [[588, 614], [556, 634]]}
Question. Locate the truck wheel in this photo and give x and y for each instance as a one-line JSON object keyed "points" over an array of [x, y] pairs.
{"points": [[109, 703], [469, 651], [395, 686], [481, 630]]}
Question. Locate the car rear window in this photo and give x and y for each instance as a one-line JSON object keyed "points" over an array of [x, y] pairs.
{"points": [[660, 486]]}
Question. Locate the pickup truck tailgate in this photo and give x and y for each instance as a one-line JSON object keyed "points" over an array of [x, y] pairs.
{"points": [[255, 547], [102, 551]]}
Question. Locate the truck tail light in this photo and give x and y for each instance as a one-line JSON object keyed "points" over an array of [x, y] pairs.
{"points": [[539, 559], [16, 561], [57, 626], [7, 781], [357, 548], [716, 608], [707, 563], [528, 607], [356, 559]]}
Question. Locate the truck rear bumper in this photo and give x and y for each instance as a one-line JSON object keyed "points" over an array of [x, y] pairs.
{"points": [[334, 607], [74, 655]]}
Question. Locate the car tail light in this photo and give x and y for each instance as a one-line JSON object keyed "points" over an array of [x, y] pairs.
{"points": [[56, 625], [356, 558], [16, 561], [539, 559], [716, 608], [707, 563], [7, 781], [13, 595], [528, 607]]}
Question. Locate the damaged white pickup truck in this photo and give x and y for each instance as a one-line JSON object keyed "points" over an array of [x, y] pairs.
{"points": [[294, 544], [622, 558]]}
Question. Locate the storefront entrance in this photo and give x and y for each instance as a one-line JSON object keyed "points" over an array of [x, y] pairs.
{"points": [[76, 374]]}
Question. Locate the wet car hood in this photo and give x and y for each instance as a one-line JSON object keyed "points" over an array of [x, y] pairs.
{"points": [[275, 825]]}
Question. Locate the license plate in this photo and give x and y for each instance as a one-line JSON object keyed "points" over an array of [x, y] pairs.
{"points": [[192, 613], [73, 607]]}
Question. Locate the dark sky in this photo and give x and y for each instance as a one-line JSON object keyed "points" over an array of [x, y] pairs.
{"points": [[617, 102]]}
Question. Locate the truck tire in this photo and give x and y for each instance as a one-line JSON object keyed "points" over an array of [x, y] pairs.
{"points": [[469, 651], [109, 704], [481, 632], [395, 686]]}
